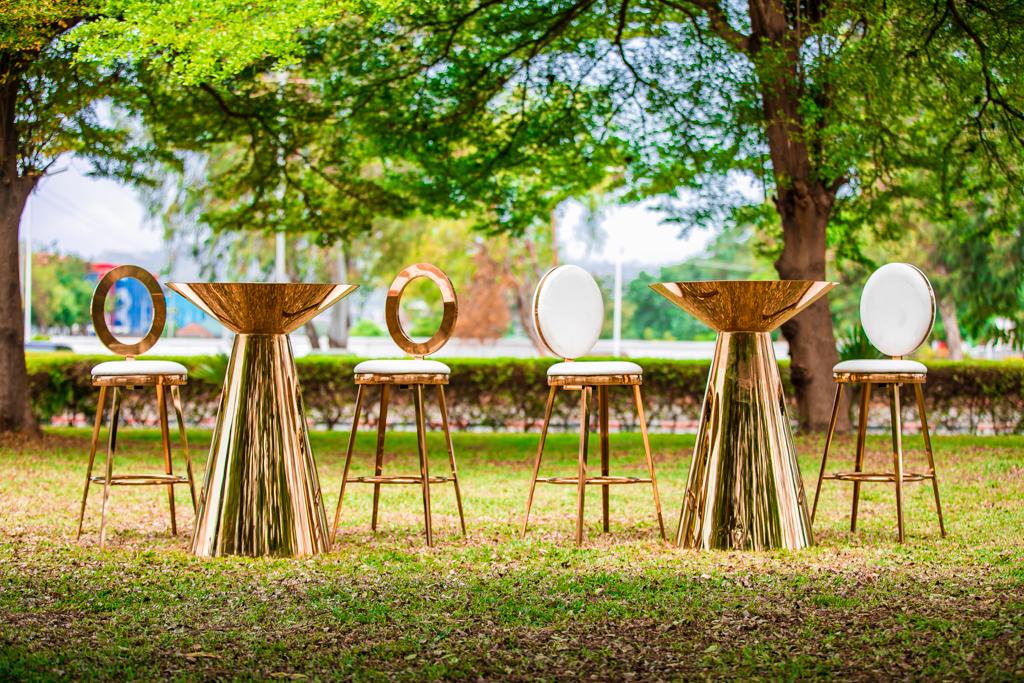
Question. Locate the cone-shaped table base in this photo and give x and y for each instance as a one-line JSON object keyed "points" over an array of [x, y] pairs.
{"points": [[744, 490], [261, 495]]}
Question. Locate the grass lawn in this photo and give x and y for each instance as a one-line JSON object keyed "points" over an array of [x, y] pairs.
{"points": [[492, 606]]}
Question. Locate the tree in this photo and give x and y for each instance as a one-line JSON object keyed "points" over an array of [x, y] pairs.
{"points": [[511, 109], [61, 294]]}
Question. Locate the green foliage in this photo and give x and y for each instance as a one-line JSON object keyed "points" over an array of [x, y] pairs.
{"points": [[509, 393], [367, 328], [856, 345], [60, 293]]}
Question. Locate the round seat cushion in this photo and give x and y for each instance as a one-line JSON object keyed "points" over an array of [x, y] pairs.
{"points": [[596, 367], [897, 309], [882, 365], [401, 366], [122, 368]]}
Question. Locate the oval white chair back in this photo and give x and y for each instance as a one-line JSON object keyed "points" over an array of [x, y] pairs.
{"points": [[897, 309], [568, 311]]}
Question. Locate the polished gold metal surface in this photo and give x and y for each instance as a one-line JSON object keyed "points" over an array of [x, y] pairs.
{"points": [[417, 378], [448, 319], [899, 475], [99, 320], [744, 490], [261, 496], [424, 478], [118, 383], [262, 307], [586, 385], [743, 306], [109, 479]]}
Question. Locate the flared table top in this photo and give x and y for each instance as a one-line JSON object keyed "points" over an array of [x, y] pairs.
{"points": [[262, 307], [743, 305]]}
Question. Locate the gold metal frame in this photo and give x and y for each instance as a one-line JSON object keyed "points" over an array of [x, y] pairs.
{"points": [[448, 319], [415, 383], [586, 386], [261, 496], [899, 476], [119, 383], [744, 490], [99, 321]]}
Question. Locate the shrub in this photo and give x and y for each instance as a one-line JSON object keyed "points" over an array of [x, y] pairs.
{"points": [[509, 393]]}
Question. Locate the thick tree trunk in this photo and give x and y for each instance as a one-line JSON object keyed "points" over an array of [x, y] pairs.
{"points": [[15, 409], [812, 343], [955, 342]]}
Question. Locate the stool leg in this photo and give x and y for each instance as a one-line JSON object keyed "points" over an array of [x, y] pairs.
{"points": [[183, 435], [638, 399], [421, 440], [378, 468], [931, 457], [581, 485], [92, 457], [348, 460], [165, 443], [115, 414], [858, 466], [602, 419], [540, 452], [897, 452], [828, 444], [451, 453]]}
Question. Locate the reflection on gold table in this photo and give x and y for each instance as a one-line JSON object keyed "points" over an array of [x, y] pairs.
{"points": [[261, 495], [744, 490]]}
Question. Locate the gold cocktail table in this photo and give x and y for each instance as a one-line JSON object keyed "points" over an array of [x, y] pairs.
{"points": [[744, 490], [261, 495]]}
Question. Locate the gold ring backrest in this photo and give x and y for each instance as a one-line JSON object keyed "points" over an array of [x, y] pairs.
{"points": [[99, 321], [450, 315]]}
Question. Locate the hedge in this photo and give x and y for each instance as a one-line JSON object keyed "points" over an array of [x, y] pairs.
{"points": [[509, 393]]}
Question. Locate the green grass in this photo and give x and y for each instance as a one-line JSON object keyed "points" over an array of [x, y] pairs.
{"points": [[494, 606]]}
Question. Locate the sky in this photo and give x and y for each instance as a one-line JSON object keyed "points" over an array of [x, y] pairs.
{"points": [[90, 217]]}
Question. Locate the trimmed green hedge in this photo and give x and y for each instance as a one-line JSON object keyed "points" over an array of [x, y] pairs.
{"points": [[509, 393]]}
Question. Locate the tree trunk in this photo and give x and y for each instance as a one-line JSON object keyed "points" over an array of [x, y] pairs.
{"points": [[804, 201], [337, 330], [15, 408], [955, 342], [812, 343]]}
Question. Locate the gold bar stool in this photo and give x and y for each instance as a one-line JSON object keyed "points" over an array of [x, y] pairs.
{"points": [[897, 311], [568, 312], [118, 376], [412, 374]]}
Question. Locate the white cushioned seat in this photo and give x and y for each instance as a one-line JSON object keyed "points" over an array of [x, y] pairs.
{"points": [[885, 365], [121, 368], [596, 367], [402, 366]]}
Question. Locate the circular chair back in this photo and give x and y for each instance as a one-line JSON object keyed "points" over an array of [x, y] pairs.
{"points": [[448, 319], [897, 309], [99, 320], [568, 311]]}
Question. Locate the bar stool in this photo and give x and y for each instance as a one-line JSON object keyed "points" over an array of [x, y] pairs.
{"points": [[897, 311], [568, 312], [126, 375], [412, 374]]}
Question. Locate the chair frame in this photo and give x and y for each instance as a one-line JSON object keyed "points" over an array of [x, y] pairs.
{"points": [[163, 384], [899, 476], [414, 382], [586, 384]]}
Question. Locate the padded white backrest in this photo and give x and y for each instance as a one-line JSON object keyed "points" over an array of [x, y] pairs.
{"points": [[897, 309], [568, 311]]}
